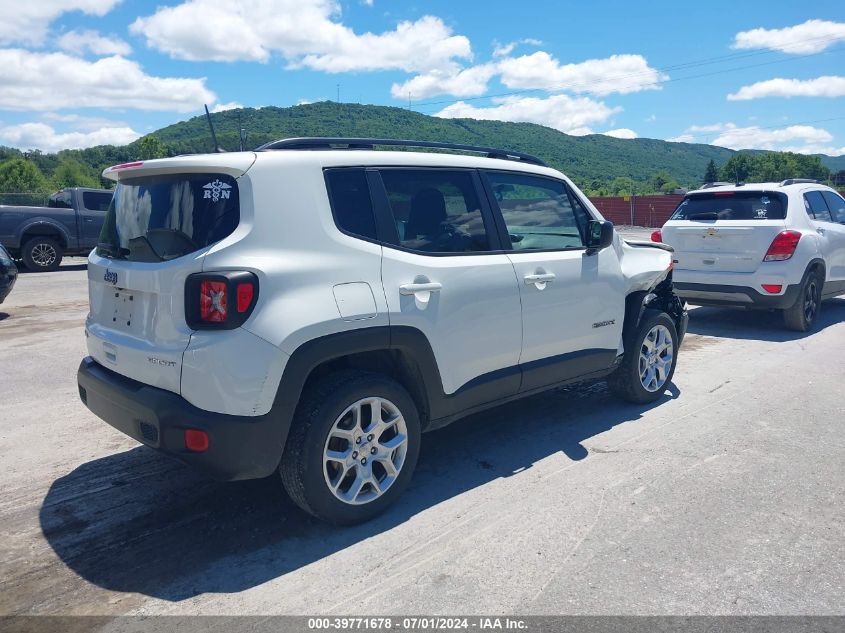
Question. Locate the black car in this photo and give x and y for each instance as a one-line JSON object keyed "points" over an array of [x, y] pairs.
{"points": [[8, 273]]}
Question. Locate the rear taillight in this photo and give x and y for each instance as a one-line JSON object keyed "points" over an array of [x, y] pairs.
{"points": [[222, 300], [783, 246], [657, 236], [213, 301], [772, 289]]}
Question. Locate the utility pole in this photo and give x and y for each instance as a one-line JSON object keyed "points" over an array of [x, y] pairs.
{"points": [[338, 93], [409, 100]]}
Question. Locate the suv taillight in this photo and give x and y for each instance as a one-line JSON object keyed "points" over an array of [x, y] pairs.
{"points": [[783, 246], [220, 301]]}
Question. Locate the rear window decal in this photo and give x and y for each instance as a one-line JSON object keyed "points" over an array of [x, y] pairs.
{"points": [[216, 190]]}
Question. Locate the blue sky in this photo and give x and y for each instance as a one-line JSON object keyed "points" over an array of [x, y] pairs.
{"points": [[766, 75]]}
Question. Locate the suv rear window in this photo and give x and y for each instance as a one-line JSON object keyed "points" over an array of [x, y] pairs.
{"points": [[157, 218], [732, 205]]}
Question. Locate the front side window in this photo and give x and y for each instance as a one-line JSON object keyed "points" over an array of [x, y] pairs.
{"points": [[157, 218], [539, 213], [816, 207], [436, 211], [836, 204], [349, 194]]}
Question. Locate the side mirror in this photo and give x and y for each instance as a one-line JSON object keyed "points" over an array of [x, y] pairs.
{"points": [[599, 235]]}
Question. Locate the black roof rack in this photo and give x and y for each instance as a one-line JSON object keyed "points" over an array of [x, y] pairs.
{"points": [[795, 181], [318, 143], [710, 185]]}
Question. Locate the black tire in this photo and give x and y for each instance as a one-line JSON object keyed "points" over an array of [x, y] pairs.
{"points": [[625, 382], [302, 467], [42, 254], [801, 316]]}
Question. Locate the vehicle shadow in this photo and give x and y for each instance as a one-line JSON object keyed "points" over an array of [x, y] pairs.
{"points": [[23, 270], [760, 325], [138, 521]]}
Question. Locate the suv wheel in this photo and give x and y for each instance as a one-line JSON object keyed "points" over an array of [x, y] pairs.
{"points": [[801, 316], [42, 254], [649, 361], [352, 448]]}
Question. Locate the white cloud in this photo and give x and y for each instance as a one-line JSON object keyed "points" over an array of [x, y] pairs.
{"points": [[615, 74], [502, 50], [572, 115], [538, 71], [81, 41], [27, 21], [469, 82], [802, 139], [812, 36], [46, 138], [621, 132], [56, 81], [305, 32], [222, 107], [827, 86]]}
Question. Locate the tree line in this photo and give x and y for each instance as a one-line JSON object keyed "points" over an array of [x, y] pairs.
{"points": [[38, 173]]}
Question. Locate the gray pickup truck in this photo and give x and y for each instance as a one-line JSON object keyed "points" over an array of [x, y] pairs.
{"points": [[69, 225]]}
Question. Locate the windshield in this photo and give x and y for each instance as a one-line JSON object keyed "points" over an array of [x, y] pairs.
{"points": [[157, 218], [732, 205]]}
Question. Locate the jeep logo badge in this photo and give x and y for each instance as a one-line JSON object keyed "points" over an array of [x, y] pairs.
{"points": [[110, 277]]}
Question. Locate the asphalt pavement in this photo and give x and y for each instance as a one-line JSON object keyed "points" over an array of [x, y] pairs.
{"points": [[725, 497]]}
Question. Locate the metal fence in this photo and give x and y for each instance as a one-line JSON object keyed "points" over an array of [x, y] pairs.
{"points": [[650, 211], [24, 199]]}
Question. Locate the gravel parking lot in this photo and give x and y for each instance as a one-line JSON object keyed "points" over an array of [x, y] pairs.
{"points": [[726, 497]]}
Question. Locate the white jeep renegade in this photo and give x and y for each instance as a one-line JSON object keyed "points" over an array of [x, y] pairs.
{"points": [[765, 245], [313, 306]]}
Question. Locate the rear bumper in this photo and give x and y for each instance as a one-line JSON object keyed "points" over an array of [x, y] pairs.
{"points": [[725, 295], [239, 447]]}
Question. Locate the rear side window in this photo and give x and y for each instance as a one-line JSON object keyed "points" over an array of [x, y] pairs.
{"points": [[436, 211], [60, 200], [351, 204], [158, 218], [732, 205], [836, 204], [816, 207], [539, 213], [96, 201]]}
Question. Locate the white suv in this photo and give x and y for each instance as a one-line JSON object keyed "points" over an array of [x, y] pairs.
{"points": [[311, 307], [760, 245]]}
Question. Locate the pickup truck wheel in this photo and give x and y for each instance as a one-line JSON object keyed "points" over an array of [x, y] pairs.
{"points": [[352, 448], [649, 361], [42, 254], [801, 316]]}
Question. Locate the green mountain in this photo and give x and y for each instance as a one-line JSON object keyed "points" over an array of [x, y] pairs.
{"points": [[600, 164], [583, 158]]}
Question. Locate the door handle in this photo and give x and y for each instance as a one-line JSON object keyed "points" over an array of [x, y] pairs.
{"points": [[539, 278], [410, 289], [89, 219], [820, 231]]}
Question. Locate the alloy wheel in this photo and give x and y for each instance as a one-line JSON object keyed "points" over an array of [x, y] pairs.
{"points": [[656, 355], [365, 450]]}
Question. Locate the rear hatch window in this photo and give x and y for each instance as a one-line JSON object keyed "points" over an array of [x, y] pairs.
{"points": [[158, 218], [732, 205]]}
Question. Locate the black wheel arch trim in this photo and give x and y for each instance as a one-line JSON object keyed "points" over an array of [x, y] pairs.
{"points": [[415, 352], [660, 297], [33, 228]]}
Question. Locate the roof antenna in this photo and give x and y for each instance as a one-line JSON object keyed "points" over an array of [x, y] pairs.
{"points": [[213, 135]]}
